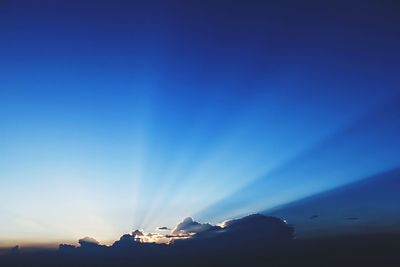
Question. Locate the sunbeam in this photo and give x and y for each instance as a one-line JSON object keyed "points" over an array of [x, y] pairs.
{"points": [[342, 158]]}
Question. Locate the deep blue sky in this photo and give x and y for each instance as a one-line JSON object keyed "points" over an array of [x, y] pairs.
{"points": [[123, 114]]}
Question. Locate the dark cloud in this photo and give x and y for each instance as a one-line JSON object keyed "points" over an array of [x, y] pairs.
{"points": [[87, 244], [189, 226], [86, 241], [164, 228], [256, 227], [241, 239], [254, 240], [137, 233], [66, 248], [125, 241]]}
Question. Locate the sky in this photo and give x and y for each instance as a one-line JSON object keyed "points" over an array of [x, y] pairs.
{"points": [[117, 115]]}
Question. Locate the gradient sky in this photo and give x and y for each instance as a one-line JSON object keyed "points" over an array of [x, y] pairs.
{"points": [[116, 115]]}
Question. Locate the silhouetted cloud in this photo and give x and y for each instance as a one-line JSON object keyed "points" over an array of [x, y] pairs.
{"points": [[163, 228], [138, 237], [66, 248], [188, 226], [254, 231], [251, 235], [137, 233], [235, 239], [125, 241], [257, 227], [88, 244], [15, 250], [88, 241], [252, 227]]}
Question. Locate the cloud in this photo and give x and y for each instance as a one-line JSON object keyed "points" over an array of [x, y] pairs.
{"points": [[88, 242], [125, 241], [256, 226], [252, 227], [66, 247], [257, 229], [137, 233], [137, 237], [164, 228], [259, 224], [155, 238], [188, 226]]}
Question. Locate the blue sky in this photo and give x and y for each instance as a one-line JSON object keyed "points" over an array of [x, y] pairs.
{"points": [[119, 115]]}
